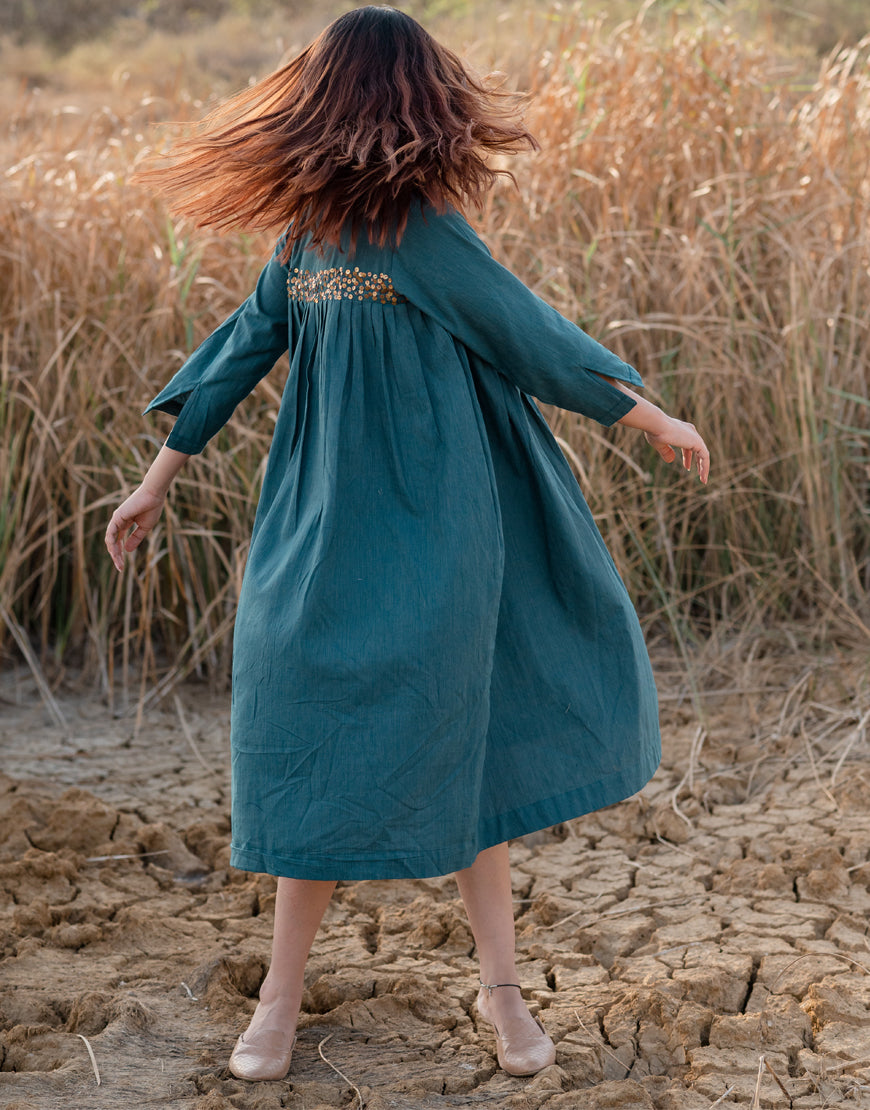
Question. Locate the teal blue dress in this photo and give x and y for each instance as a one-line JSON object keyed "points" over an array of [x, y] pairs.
{"points": [[433, 651]]}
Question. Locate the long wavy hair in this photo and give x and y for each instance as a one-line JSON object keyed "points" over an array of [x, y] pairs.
{"points": [[372, 116]]}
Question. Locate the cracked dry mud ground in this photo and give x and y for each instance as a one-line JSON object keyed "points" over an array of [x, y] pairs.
{"points": [[669, 942]]}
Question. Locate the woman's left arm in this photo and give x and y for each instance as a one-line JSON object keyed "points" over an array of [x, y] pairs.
{"points": [[665, 433], [446, 271], [142, 509]]}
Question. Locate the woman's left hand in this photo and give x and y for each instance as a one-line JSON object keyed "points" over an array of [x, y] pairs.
{"points": [[140, 511], [679, 435]]}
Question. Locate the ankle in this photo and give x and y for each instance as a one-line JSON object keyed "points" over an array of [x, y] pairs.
{"points": [[278, 1013], [500, 1002], [489, 985], [274, 991]]}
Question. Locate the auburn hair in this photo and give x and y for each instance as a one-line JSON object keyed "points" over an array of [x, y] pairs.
{"points": [[372, 116]]}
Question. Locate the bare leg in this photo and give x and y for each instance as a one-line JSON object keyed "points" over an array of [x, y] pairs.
{"points": [[523, 1048], [299, 908], [486, 891]]}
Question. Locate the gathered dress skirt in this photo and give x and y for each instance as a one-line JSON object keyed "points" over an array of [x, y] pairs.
{"points": [[433, 651]]}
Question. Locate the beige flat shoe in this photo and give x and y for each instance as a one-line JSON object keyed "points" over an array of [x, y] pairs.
{"points": [[262, 1055], [520, 1048]]}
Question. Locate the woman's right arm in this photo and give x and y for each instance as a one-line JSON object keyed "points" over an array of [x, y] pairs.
{"points": [[142, 509], [226, 366]]}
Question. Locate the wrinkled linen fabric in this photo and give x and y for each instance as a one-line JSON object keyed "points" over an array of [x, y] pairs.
{"points": [[433, 651]]}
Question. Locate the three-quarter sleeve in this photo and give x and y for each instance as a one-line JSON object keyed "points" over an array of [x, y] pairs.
{"points": [[204, 392], [445, 269]]}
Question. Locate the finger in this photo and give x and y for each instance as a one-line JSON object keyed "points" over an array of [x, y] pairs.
{"points": [[703, 458], [118, 523], [112, 537], [114, 532], [137, 535], [114, 547], [666, 451]]}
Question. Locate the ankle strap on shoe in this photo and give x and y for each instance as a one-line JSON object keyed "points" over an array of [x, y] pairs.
{"points": [[492, 986]]}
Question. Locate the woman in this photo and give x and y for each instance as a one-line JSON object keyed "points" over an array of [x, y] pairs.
{"points": [[433, 651]]}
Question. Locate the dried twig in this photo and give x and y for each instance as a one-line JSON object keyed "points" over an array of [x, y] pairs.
{"points": [[846, 609], [778, 1082], [856, 735], [20, 638], [676, 848], [353, 1086], [570, 917], [181, 670], [604, 1047], [815, 769], [609, 445], [756, 1098], [622, 912], [725, 692], [721, 1097], [694, 752], [790, 697], [127, 855], [574, 459], [807, 955], [845, 1064], [675, 793], [185, 728], [93, 1058]]}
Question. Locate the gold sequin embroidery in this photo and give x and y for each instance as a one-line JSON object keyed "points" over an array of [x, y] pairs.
{"points": [[342, 284]]}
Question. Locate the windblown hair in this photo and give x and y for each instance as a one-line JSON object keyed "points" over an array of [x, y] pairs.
{"points": [[372, 116]]}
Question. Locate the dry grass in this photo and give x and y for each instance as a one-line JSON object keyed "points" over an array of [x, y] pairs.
{"points": [[693, 206], [100, 296], [708, 218]]}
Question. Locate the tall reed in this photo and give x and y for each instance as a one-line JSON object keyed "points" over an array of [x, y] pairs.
{"points": [[705, 212], [692, 206]]}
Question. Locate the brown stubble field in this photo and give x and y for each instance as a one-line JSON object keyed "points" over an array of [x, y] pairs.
{"points": [[700, 203]]}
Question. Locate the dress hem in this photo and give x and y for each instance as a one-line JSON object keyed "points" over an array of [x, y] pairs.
{"points": [[507, 826]]}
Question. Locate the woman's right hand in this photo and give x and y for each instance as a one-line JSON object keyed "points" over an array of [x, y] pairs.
{"points": [[139, 512]]}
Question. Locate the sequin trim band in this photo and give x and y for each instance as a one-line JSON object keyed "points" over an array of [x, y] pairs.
{"points": [[342, 284]]}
